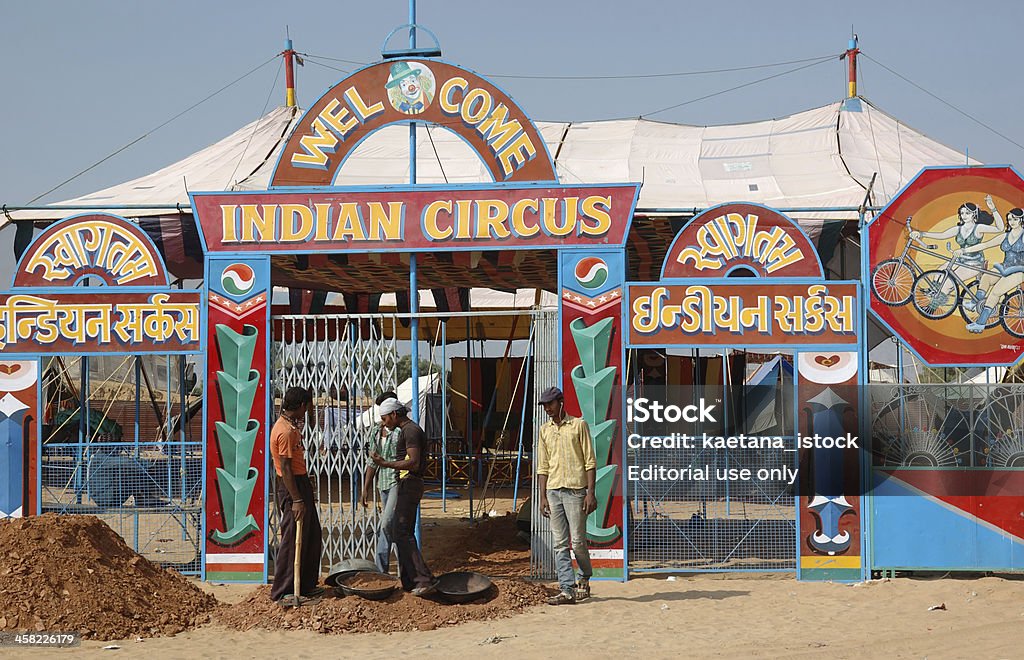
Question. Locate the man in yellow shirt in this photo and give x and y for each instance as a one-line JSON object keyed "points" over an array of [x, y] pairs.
{"points": [[566, 470]]}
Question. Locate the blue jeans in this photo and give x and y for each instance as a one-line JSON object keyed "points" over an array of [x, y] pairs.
{"points": [[568, 521], [385, 533]]}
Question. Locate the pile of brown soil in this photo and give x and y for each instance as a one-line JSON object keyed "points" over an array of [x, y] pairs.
{"points": [[401, 611], [370, 581], [74, 574], [491, 546]]}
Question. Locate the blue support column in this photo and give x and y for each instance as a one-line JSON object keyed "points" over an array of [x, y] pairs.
{"points": [[414, 295]]}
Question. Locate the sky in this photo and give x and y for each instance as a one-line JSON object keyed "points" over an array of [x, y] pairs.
{"points": [[82, 80]]}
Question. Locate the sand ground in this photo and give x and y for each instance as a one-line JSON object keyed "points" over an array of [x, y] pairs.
{"points": [[697, 616], [708, 615]]}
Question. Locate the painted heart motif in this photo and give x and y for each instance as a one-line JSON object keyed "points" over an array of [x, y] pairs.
{"points": [[827, 361], [9, 368]]}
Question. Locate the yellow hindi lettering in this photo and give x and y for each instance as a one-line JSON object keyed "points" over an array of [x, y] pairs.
{"points": [[696, 310], [647, 311]]}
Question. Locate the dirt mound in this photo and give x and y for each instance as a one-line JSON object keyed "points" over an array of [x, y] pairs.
{"points": [[492, 547], [73, 573], [370, 581], [400, 612]]}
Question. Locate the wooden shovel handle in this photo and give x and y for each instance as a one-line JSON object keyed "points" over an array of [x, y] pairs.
{"points": [[298, 559]]}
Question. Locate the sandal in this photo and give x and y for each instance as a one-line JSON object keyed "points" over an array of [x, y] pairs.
{"points": [[583, 589], [563, 598]]}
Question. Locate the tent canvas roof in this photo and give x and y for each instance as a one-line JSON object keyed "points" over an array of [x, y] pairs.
{"points": [[823, 157]]}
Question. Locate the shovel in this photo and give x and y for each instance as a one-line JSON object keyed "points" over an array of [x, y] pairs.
{"points": [[297, 569]]}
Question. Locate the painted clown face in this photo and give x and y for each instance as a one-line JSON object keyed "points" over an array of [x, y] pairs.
{"points": [[410, 87]]}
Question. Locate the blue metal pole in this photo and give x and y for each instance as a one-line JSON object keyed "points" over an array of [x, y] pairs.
{"points": [[471, 444], [138, 377], [83, 425], [414, 295], [444, 418], [182, 464], [522, 422]]}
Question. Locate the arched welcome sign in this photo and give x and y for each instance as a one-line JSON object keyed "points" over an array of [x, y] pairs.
{"points": [[734, 236], [398, 91], [524, 208]]}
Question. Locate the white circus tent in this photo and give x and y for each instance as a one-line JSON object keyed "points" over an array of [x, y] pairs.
{"points": [[822, 157]]}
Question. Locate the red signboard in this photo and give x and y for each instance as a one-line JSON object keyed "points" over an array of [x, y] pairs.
{"points": [[397, 91], [743, 314], [947, 266], [236, 419], [416, 218], [87, 321], [748, 236]]}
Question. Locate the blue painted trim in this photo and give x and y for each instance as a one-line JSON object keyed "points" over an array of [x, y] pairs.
{"points": [[412, 28], [385, 189], [561, 257], [199, 227], [864, 408], [40, 406], [706, 571], [715, 209], [106, 291], [399, 246], [623, 453], [204, 362], [760, 282], [796, 431], [268, 415], [306, 118], [36, 239]]}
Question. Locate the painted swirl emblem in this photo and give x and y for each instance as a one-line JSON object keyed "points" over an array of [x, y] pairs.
{"points": [[238, 279], [591, 272]]}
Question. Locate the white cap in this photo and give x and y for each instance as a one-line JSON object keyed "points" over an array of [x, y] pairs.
{"points": [[389, 406]]}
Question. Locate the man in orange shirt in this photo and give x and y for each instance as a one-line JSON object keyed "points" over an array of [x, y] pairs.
{"points": [[295, 498]]}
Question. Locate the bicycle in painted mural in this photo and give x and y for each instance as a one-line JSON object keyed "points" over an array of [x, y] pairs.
{"points": [[985, 296]]}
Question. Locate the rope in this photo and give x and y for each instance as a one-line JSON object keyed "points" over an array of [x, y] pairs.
{"points": [[150, 132], [634, 76], [255, 128], [945, 102], [748, 84]]}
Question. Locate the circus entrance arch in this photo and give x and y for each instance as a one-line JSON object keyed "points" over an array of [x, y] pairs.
{"points": [[522, 230], [741, 404]]}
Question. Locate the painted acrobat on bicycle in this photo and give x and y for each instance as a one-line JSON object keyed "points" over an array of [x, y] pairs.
{"points": [[965, 278]]}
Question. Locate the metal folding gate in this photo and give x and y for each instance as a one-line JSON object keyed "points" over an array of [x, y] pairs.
{"points": [[692, 524], [346, 361], [547, 369]]}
